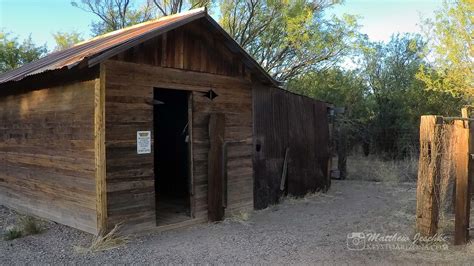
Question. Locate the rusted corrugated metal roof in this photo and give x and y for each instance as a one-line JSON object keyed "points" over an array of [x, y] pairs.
{"points": [[105, 46]]}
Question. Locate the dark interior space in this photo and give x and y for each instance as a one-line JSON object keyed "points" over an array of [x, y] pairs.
{"points": [[171, 156]]}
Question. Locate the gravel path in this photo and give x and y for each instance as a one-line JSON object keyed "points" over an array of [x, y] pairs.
{"points": [[306, 231]]}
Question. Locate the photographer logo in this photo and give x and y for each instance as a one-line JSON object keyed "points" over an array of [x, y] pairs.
{"points": [[356, 241], [376, 241]]}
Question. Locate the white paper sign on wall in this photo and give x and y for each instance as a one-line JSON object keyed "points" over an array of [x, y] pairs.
{"points": [[143, 142]]}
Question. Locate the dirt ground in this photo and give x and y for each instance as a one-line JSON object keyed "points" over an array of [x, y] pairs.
{"points": [[313, 230]]}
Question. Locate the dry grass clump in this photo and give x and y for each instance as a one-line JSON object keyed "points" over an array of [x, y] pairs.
{"points": [[106, 242], [373, 168], [446, 225], [242, 217], [27, 225], [12, 233], [30, 225], [470, 247], [309, 196]]}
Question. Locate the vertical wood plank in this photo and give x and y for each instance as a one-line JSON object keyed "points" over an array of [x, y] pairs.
{"points": [[99, 139], [192, 188], [164, 50], [215, 167], [179, 52], [463, 149], [427, 192], [470, 178]]}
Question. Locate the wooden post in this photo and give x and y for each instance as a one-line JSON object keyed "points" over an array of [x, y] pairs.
{"points": [[215, 167], [464, 148], [99, 147], [427, 193], [192, 187]]}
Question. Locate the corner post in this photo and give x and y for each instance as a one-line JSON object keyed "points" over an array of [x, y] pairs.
{"points": [[99, 147]]}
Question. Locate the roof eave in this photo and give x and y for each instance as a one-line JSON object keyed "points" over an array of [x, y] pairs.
{"points": [[90, 60], [249, 61], [94, 60]]}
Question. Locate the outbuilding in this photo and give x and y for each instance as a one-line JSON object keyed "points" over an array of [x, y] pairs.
{"points": [[160, 125]]}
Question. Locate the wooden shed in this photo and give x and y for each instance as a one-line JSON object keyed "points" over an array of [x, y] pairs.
{"points": [[155, 125]]}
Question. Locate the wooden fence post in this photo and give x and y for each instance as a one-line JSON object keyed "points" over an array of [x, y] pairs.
{"points": [[463, 162], [427, 192]]}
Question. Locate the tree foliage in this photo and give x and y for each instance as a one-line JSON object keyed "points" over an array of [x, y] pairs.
{"points": [[383, 97], [389, 70], [289, 38], [169, 7], [14, 53], [337, 86], [451, 35], [65, 40], [116, 14]]}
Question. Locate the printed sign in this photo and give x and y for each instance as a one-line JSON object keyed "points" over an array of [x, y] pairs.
{"points": [[143, 142]]}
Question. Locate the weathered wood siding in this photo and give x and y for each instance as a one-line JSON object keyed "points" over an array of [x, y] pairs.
{"points": [[47, 157], [129, 176], [159, 62], [191, 47], [285, 120]]}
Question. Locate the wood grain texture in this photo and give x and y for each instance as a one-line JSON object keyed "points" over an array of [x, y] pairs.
{"points": [[99, 146], [129, 176], [215, 181], [464, 146], [190, 47], [47, 154], [427, 192]]}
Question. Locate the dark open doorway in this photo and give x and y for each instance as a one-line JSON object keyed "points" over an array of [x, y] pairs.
{"points": [[171, 151]]}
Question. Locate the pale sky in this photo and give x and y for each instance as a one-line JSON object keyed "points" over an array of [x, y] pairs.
{"points": [[40, 18], [382, 18]]}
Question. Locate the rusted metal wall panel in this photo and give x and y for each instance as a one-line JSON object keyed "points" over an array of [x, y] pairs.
{"points": [[271, 141], [322, 143], [303, 166], [285, 120]]}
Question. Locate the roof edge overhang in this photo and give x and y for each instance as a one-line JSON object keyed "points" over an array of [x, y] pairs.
{"points": [[93, 60], [249, 61]]}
